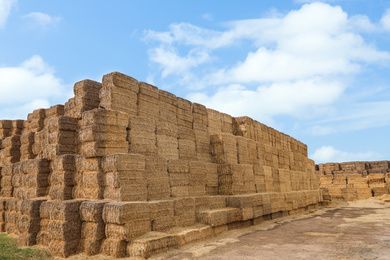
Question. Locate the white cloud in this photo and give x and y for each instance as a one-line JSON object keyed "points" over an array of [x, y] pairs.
{"points": [[29, 86], [330, 154], [355, 117], [41, 20], [298, 64], [385, 20], [5, 8], [172, 63]]}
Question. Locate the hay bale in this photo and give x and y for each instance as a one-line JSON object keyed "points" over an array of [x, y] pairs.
{"points": [[152, 243], [123, 212]]}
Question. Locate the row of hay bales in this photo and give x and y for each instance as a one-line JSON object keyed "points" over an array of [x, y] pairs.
{"points": [[119, 228], [355, 180]]}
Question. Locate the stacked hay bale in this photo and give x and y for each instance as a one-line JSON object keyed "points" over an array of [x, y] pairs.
{"points": [[10, 150], [60, 227], [26, 147], [179, 178], [103, 132], [125, 177], [124, 222], [6, 190], [166, 127], [148, 101], [92, 227], [376, 181], [184, 211], [62, 177], [31, 179], [202, 136], [119, 92], [86, 97], [157, 178], [186, 135], [360, 184], [214, 121], [211, 170], [5, 128], [197, 172], [61, 136], [141, 135], [364, 179], [28, 223], [11, 214]]}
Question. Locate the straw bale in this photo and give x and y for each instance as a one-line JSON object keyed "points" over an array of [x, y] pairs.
{"points": [[242, 150], [61, 192], [31, 207], [61, 210], [186, 133], [227, 123], [244, 126], [90, 247], [166, 128], [148, 90], [124, 162], [219, 230], [224, 148], [7, 170], [114, 247], [106, 117], [93, 230], [180, 191], [211, 170], [379, 191], [64, 230], [26, 224], [167, 147], [11, 141], [6, 181], [148, 107], [5, 124], [214, 121], [54, 111], [213, 217], [26, 239], [6, 192], [102, 148], [89, 134], [233, 215], [178, 166], [152, 243], [141, 123], [27, 138], [35, 166], [122, 212], [60, 248], [35, 180], [193, 233]]}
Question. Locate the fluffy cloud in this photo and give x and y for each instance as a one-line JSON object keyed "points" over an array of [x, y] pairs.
{"points": [[29, 86], [5, 8], [330, 154], [299, 64], [385, 20], [41, 20]]}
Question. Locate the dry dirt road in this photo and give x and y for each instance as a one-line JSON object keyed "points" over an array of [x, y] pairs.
{"points": [[354, 230]]}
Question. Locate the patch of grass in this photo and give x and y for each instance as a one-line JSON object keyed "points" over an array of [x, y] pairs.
{"points": [[10, 251]]}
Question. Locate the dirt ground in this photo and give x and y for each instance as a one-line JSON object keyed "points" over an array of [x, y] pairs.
{"points": [[354, 230]]}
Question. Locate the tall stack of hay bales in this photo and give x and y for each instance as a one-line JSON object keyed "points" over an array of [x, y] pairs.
{"points": [[357, 180], [86, 98], [125, 177], [62, 226], [92, 227], [28, 222], [126, 169]]}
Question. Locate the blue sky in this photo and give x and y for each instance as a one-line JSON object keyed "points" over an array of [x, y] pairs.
{"points": [[315, 70]]}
